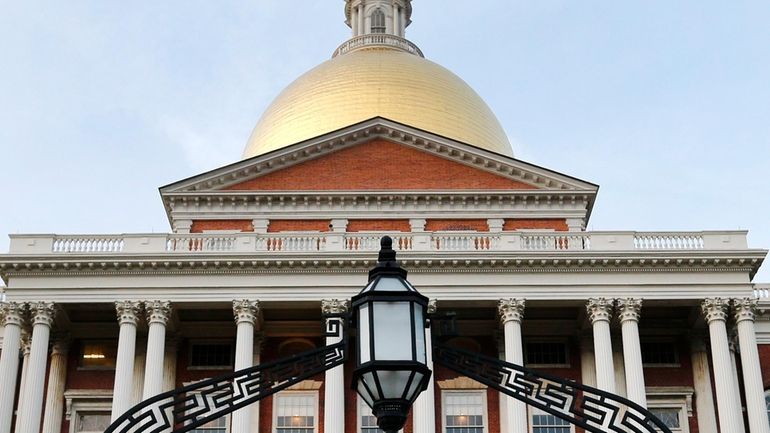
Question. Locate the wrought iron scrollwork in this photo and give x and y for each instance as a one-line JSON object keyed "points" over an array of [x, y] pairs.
{"points": [[189, 407], [594, 410]]}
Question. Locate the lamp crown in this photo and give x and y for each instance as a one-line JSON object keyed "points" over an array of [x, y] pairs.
{"points": [[386, 260]]}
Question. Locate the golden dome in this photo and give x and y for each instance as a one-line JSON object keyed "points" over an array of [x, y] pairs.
{"points": [[372, 82]]}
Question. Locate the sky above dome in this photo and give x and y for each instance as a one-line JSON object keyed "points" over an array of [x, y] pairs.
{"points": [[664, 104]]}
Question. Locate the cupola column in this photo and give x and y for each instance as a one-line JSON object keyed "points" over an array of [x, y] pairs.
{"points": [[511, 314], [745, 312], [378, 16], [334, 384], [246, 317], [600, 312], [715, 311], [12, 318], [34, 384]]}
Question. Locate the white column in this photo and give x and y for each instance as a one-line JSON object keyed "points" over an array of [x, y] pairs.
{"points": [[403, 22], [737, 404], [620, 367], [32, 407], [396, 29], [600, 312], [745, 314], [13, 318], [361, 20], [424, 420], [587, 361], [628, 312], [246, 315], [715, 311], [128, 317], [256, 361], [334, 394], [57, 376], [26, 349], [354, 20], [704, 397], [511, 314], [138, 376], [158, 313]]}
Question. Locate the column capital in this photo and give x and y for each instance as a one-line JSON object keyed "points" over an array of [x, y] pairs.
{"points": [[745, 309], [158, 311], [42, 313], [599, 309], [511, 310], [128, 312], [334, 306], [714, 309], [629, 309], [26, 343], [432, 305], [12, 313], [245, 310]]}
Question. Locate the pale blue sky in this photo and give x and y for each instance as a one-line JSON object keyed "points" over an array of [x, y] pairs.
{"points": [[665, 104]]}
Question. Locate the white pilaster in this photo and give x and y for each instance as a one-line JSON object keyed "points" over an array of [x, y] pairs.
{"points": [[26, 349], [246, 315], [424, 420], [704, 397], [745, 314], [715, 311], [13, 318], [600, 312], [32, 407], [128, 317], [628, 311], [57, 376], [334, 393], [587, 361], [158, 314], [511, 314]]}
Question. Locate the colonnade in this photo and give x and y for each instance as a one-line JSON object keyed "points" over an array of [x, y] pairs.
{"points": [[600, 312]]}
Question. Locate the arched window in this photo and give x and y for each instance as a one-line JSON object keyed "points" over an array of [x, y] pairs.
{"points": [[378, 21]]}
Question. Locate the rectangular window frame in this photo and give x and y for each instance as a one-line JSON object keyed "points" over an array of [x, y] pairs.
{"points": [[678, 398], [86, 401], [563, 341], [81, 346], [314, 394], [484, 408], [531, 411], [672, 341], [195, 342]]}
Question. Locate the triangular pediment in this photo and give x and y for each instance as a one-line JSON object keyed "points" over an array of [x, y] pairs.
{"points": [[380, 155]]}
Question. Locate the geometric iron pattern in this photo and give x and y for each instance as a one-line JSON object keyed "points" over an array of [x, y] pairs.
{"points": [[189, 407], [594, 410]]}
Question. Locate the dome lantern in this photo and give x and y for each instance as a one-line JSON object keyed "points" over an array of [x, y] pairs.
{"points": [[390, 17]]}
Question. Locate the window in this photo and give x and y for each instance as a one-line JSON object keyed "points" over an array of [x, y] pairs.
{"points": [[218, 425], [92, 422], [669, 417], [546, 353], [542, 422], [672, 405], [98, 355], [378, 21], [216, 355], [88, 410], [295, 412], [660, 354], [464, 412], [366, 421]]}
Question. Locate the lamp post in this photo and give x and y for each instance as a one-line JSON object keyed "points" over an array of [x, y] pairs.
{"points": [[389, 314]]}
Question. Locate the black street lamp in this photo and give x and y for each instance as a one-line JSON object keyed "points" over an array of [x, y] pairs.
{"points": [[389, 315]]}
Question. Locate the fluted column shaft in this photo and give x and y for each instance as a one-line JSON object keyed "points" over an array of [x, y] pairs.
{"points": [[334, 384], [13, 316], [511, 314], [424, 420], [628, 312], [26, 349], [32, 407], [57, 376], [715, 311], [128, 318], [600, 312], [745, 311], [158, 313], [704, 397], [246, 315]]}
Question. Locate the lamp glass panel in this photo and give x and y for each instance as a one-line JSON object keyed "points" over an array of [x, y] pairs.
{"points": [[363, 334], [394, 382], [365, 394], [368, 378], [392, 331], [390, 283], [413, 387], [419, 333]]}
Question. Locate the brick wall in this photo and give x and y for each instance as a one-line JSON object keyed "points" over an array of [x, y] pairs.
{"points": [[379, 165], [240, 225], [532, 224]]}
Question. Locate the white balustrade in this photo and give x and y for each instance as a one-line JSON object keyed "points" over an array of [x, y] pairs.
{"points": [[374, 39], [553, 241], [762, 293], [668, 241], [291, 242], [87, 244], [464, 242], [203, 243], [371, 241]]}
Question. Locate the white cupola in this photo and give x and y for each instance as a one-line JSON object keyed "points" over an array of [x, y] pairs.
{"points": [[378, 16]]}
